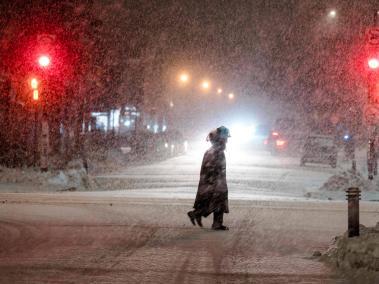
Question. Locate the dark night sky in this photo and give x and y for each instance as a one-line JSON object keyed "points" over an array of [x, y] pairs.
{"points": [[247, 42], [290, 51], [287, 50]]}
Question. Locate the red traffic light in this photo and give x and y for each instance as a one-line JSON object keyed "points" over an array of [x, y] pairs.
{"points": [[44, 61], [373, 63]]}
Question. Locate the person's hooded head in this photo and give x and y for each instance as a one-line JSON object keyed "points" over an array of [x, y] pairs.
{"points": [[218, 137]]}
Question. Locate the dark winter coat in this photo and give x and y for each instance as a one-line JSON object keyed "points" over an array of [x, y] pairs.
{"points": [[212, 193]]}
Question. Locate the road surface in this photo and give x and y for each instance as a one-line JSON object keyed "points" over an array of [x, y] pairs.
{"points": [[141, 234]]}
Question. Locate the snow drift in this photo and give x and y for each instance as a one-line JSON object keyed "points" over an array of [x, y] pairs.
{"points": [[356, 253]]}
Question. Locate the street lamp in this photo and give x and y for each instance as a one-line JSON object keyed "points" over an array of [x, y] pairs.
{"points": [[219, 91], [205, 85], [231, 96], [184, 78], [332, 13]]}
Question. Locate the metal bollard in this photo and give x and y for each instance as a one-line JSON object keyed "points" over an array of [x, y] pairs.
{"points": [[353, 197]]}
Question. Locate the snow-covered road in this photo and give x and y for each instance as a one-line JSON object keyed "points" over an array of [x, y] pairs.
{"points": [[250, 175], [87, 238], [139, 232]]}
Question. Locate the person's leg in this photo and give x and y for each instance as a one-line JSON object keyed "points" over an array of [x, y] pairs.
{"points": [[218, 218], [191, 215], [196, 215]]}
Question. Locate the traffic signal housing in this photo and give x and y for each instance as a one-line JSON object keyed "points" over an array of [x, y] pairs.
{"points": [[44, 61], [34, 85], [373, 63], [35, 95], [373, 76]]}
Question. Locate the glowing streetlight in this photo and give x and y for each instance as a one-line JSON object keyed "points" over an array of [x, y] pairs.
{"points": [[184, 78], [219, 91], [231, 96], [44, 61], [171, 104], [332, 13], [205, 85]]}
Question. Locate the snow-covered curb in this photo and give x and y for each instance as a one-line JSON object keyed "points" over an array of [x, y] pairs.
{"points": [[356, 253]]}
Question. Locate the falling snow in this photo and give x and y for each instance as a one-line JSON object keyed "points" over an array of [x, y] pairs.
{"points": [[107, 104]]}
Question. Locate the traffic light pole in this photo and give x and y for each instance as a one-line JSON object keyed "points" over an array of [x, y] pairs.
{"points": [[371, 147], [372, 157], [35, 150]]}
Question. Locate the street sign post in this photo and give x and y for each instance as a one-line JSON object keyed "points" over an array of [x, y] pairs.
{"points": [[44, 144], [371, 111]]}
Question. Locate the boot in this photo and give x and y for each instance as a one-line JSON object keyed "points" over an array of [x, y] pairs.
{"points": [[191, 215], [198, 221]]}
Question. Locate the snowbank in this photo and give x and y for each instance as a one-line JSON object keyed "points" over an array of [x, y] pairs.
{"points": [[346, 179], [74, 177], [336, 185], [356, 253]]}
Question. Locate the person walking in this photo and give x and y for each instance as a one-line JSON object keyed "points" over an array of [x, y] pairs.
{"points": [[212, 193]]}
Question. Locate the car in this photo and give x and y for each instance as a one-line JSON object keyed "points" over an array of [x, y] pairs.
{"points": [[285, 137], [275, 143], [281, 142], [170, 143], [319, 149]]}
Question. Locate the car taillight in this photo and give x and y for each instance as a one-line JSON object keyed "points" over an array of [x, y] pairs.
{"points": [[280, 143]]}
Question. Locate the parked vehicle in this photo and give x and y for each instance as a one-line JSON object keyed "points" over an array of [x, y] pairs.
{"points": [[284, 138], [170, 143], [276, 143], [320, 149]]}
